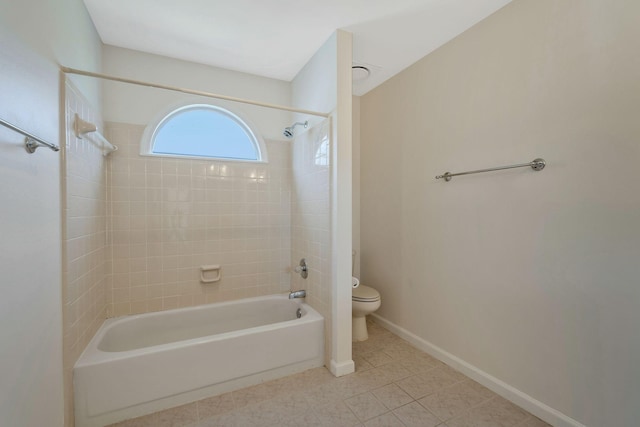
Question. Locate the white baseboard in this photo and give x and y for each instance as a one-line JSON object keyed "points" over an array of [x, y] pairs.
{"points": [[537, 408], [340, 369]]}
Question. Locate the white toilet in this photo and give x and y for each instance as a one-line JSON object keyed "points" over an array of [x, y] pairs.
{"points": [[364, 300]]}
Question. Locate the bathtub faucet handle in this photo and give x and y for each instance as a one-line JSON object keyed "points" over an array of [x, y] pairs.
{"points": [[301, 269]]}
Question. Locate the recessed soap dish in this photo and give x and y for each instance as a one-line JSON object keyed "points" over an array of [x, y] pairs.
{"points": [[210, 273]]}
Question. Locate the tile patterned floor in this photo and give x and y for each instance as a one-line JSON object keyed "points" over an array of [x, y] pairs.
{"points": [[395, 385]]}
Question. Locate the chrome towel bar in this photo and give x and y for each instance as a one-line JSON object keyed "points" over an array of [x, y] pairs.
{"points": [[536, 165], [32, 142]]}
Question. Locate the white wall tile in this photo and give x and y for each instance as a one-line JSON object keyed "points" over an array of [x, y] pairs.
{"points": [[172, 215], [85, 256]]}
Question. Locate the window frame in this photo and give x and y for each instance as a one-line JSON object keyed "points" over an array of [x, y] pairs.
{"points": [[154, 126]]}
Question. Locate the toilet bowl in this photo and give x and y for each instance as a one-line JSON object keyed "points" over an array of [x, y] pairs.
{"points": [[365, 300]]}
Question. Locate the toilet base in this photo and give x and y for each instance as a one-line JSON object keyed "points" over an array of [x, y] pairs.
{"points": [[359, 329]]}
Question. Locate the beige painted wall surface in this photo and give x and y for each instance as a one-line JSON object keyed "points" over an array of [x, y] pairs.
{"points": [[133, 104], [36, 36], [531, 277], [356, 185]]}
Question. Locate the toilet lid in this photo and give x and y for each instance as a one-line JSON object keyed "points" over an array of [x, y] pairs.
{"points": [[365, 293]]}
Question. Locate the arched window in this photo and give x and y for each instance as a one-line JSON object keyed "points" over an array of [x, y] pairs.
{"points": [[203, 131]]}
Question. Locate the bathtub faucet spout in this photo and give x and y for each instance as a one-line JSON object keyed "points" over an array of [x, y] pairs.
{"points": [[298, 294]]}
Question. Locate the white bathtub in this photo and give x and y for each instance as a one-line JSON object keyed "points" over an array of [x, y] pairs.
{"points": [[140, 364]]}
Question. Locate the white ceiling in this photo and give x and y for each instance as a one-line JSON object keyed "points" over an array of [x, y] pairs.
{"points": [[276, 38]]}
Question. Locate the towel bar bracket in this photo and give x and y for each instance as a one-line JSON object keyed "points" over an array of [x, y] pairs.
{"points": [[31, 145]]}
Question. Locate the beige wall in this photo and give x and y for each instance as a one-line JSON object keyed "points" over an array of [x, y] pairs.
{"points": [[126, 103], [530, 277], [168, 217], [356, 186], [37, 36]]}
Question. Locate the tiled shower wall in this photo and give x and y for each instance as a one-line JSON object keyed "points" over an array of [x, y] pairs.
{"points": [[311, 220], [85, 255], [168, 217], [137, 229]]}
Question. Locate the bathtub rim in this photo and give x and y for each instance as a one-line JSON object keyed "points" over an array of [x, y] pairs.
{"points": [[92, 355]]}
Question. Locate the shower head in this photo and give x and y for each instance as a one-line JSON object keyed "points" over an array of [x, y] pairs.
{"points": [[288, 132]]}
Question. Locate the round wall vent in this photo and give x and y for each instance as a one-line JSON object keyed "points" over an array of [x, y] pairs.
{"points": [[360, 72]]}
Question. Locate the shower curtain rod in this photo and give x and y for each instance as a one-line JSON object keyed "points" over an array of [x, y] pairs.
{"points": [[68, 70]]}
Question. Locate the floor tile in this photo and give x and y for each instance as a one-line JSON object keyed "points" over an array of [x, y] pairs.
{"points": [[453, 373], [402, 350], [386, 420], [181, 416], [415, 415], [361, 363], [336, 414], [223, 420], [332, 392], [419, 386], [259, 414], [437, 378], [291, 405], [506, 410], [417, 364], [532, 421], [308, 419], [215, 405], [375, 330], [452, 401], [377, 358], [256, 393], [376, 377], [363, 347], [496, 412], [484, 392], [392, 396], [316, 375], [392, 372], [301, 382], [357, 384], [365, 406], [322, 395], [390, 344]]}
